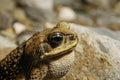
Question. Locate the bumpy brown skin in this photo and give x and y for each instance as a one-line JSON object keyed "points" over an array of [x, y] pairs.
{"points": [[9, 67], [38, 58]]}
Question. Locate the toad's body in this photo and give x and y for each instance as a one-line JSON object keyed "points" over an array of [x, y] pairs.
{"points": [[46, 55]]}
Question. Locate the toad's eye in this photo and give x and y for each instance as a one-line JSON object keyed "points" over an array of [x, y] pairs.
{"points": [[55, 39]]}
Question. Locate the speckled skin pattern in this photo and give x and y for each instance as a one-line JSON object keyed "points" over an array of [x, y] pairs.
{"points": [[9, 67], [46, 55]]}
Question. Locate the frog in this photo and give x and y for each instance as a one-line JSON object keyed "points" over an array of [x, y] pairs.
{"points": [[47, 55]]}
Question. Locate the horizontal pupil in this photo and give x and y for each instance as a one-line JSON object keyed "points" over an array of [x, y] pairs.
{"points": [[57, 38]]}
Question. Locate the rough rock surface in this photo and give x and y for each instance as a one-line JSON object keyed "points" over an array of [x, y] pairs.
{"points": [[7, 5], [6, 43], [97, 57], [106, 32], [39, 10], [5, 21]]}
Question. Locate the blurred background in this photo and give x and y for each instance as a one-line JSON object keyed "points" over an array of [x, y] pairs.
{"points": [[19, 19]]}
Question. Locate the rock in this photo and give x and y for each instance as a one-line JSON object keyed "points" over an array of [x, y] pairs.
{"points": [[118, 32], [84, 19], [20, 15], [75, 4], [106, 32], [111, 22], [40, 15], [37, 26], [39, 4], [101, 4], [9, 33], [97, 57], [40, 10], [6, 43], [5, 21], [19, 27], [25, 35], [49, 25], [117, 8], [63, 2], [66, 13], [87, 4], [107, 19], [7, 5]]}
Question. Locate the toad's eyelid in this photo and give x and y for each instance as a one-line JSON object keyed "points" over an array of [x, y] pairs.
{"points": [[59, 32], [68, 34]]}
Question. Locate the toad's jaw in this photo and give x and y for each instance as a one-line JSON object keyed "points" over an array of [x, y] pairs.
{"points": [[65, 49]]}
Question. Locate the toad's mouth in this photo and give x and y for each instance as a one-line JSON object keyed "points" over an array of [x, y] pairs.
{"points": [[57, 52]]}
